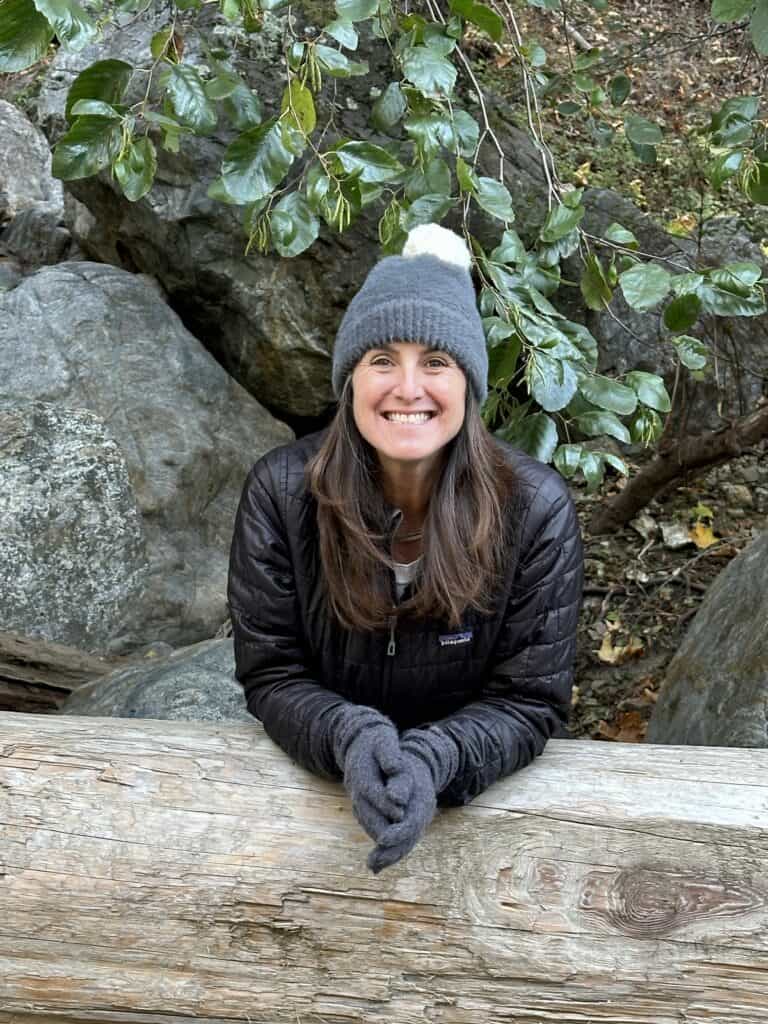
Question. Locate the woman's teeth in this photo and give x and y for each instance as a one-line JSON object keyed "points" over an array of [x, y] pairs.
{"points": [[401, 417]]}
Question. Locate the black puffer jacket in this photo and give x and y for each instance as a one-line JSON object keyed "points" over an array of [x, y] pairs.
{"points": [[500, 685]]}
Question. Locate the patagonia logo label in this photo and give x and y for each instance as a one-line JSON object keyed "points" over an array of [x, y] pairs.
{"points": [[451, 639]]}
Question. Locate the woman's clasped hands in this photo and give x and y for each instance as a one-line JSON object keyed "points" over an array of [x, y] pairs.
{"points": [[392, 780]]}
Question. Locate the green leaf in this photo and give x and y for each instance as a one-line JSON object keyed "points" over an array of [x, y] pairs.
{"points": [[25, 35], [368, 162], [567, 459], [430, 132], [432, 74], [619, 89], [621, 236], [594, 287], [692, 351], [467, 132], [757, 187], [222, 85], [356, 10], [466, 177], [724, 167], [434, 179], [511, 248], [494, 198], [106, 80], [552, 381], [608, 394], [428, 209], [682, 312], [732, 124], [186, 93], [389, 108], [552, 253], [293, 224], [644, 285], [645, 154], [730, 10], [256, 162], [646, 426], [560, 221], [480, 15], [593, 468], [641, 131], [337, 64], [317, 186], [72, 25], [758, 27], [298, 107], [568, 108], [90, 145], [535, 434], [160, 41], [243, 108], [97, 107], [649, 389], [135, 170], [502, 361], [602, 422], [343, 32]]}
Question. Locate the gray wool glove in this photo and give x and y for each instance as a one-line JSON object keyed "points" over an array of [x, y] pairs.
{"points": [[432, 758], [366, 746]]}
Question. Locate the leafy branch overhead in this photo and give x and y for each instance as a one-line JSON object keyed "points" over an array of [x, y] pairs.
{"points": [[425, 165]]}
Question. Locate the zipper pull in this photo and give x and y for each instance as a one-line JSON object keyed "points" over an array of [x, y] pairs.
{"points": [[391, 645]]}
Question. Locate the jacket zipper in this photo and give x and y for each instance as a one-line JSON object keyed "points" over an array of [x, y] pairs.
{"points": [[391, 648]]}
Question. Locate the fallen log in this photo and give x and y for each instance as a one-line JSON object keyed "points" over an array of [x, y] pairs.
{"points": [[162, 872], [38, 675]]}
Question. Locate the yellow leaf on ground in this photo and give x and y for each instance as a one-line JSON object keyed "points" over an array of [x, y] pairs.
{"points": [[702, 535], [683, 225], [618, 655], [581, 174]]}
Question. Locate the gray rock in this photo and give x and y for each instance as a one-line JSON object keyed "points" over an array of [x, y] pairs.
{"points": [[738, 494], [36, 237], [88, 336], [25, 166], [193, 683], [72, 548], [716, 689], [10, 274]]}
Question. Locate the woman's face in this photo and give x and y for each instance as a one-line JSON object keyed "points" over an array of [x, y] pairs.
{"points": [[408, 402]]}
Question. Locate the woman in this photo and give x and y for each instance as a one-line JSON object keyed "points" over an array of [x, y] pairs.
{"points": [[404, 588]]}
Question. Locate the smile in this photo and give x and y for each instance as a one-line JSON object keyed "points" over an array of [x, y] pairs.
{"points": [[411, 417]]}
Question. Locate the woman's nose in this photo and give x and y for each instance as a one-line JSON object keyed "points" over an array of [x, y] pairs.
{"points": [[409, 382]]}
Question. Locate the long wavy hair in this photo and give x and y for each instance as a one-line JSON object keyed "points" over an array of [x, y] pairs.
{"points": [[467, 541]]}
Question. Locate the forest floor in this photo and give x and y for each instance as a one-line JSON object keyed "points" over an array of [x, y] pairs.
{"points": [[641, 594]]}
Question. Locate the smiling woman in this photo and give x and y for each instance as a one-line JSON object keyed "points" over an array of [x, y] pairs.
{"points": [[404, 587]]}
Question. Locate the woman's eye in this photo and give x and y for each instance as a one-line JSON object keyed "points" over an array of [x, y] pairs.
{"points": [[381, 361], [436, 362]]}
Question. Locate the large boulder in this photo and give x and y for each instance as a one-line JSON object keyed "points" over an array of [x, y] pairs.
{"points": [[25, 167], [72, 553], [88, 336], [716, 689], [193, 683]]}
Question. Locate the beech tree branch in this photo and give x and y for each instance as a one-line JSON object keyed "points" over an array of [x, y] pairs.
{"points": [[673, 461]]}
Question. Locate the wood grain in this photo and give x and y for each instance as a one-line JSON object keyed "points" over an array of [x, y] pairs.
{"points": [[163, 872]]}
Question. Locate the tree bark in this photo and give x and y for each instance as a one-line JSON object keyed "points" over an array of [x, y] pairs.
{"points": [[674, 459], [38, 675], [160, 872]]}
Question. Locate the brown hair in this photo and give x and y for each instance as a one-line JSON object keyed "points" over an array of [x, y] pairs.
{"points": [[467, 542]]}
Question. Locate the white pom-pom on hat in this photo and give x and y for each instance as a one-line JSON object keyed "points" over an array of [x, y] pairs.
{"points": [[434, 240]]}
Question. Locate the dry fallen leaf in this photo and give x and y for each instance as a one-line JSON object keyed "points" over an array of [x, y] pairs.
{"points": [[630, 728], [702, 535], [618, 655]]}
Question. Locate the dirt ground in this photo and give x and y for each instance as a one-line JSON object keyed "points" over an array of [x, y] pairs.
{"points": [[640, 593]]}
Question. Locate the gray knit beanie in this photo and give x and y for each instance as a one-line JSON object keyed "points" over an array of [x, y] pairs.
{"points": [[424, 295]]}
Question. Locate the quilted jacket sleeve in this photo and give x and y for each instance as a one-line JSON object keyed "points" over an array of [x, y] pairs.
{"points": [[527, 696], [297, 712]]}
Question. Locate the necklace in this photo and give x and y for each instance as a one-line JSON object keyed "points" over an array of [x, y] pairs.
{"points": [[406, 538]]}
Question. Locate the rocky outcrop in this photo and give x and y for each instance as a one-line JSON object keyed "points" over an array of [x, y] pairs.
{"points": [[72, 549], [91, 337], [25, 167], [716, 689], [195, 682]]}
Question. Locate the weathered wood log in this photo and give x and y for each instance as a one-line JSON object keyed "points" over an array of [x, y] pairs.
{"points": [[38, 675], [167, 872]]}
